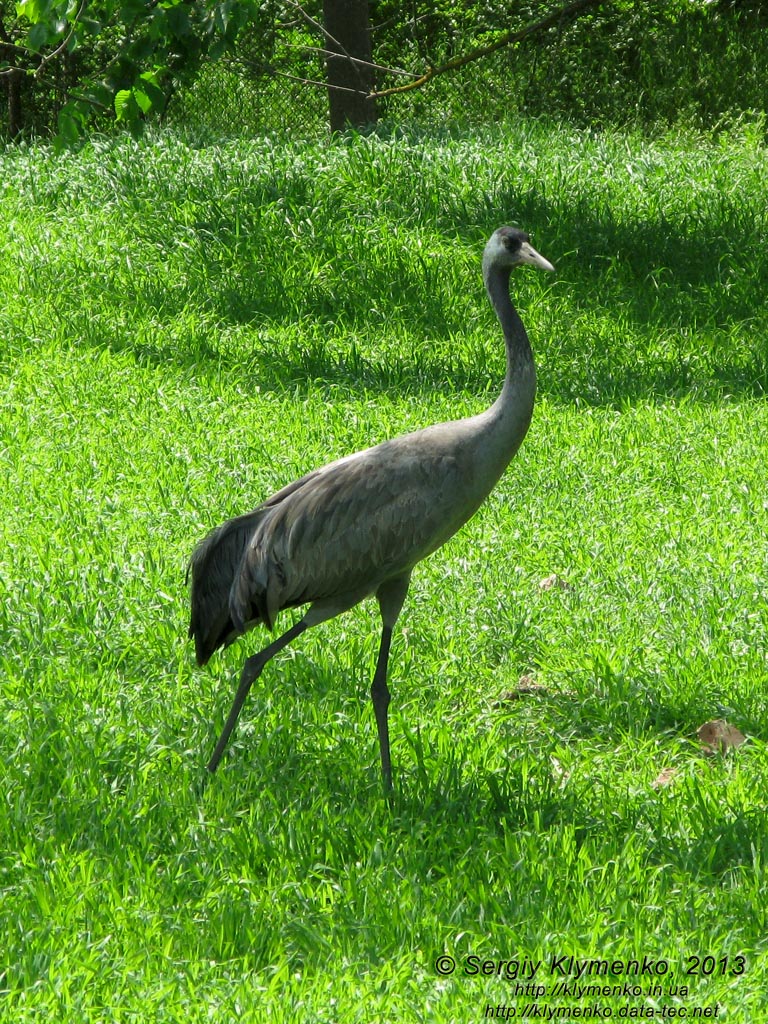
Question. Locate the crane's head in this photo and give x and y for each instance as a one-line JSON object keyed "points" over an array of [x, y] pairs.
{"points": [[510, 247]]}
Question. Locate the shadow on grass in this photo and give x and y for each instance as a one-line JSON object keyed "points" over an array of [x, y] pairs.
{"points": [[640, 311], [703, 838], [593, 377]]}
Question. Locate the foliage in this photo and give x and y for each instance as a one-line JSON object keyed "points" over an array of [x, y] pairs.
{"points": [[146, 49], [186, 327], [627, 61], [657, 63]]}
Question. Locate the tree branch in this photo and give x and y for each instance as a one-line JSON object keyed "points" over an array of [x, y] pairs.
{"points": [[355, 60], [321, 29], [65, 42], [574, 9], [8, 44], [270, 69]]}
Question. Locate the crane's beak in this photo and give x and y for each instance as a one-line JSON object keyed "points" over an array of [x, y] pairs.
{"points": [[529, 255]]}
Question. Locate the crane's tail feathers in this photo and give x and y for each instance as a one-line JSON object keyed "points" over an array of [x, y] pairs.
{"points": [[258, 589], [213, 569]]}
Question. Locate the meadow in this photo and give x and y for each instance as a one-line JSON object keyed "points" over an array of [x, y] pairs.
{"points": [[188, 324]]}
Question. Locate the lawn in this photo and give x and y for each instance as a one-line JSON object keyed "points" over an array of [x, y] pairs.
{"points": [[184, 328]]}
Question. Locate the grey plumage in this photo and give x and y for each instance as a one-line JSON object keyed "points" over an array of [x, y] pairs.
{"points": [[356, 527]]}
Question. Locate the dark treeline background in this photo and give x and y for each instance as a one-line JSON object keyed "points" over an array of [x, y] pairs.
{"points": [[687, 62]]}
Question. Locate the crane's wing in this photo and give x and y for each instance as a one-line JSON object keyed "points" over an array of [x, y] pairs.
{"points": [[344, 529]]}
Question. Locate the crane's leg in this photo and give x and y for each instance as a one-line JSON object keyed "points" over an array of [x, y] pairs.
{"points": [[252, 669], [390, 596], [380, 696]]}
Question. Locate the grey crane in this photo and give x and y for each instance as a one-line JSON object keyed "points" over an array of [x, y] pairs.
{"points": [[357, 527]]}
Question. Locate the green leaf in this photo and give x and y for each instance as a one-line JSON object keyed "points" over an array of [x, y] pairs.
{"points": [[178, 20], [122, 104], [221, 17], [34, 10], [68, 127], [39, 36], [152, 90], [71, 122], [142, 99], [91, 25], [98, 95]]}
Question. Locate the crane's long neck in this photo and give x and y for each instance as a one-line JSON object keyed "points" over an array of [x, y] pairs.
{"points": [[510, 415]]}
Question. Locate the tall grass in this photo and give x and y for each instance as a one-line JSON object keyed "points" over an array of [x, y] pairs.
{"points": [[186, 327]]}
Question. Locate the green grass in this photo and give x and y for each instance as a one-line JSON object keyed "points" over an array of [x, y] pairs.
{"points": [[185, 328]]}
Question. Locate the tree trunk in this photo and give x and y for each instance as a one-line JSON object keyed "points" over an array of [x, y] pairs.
{"points": [[348, 34], [13, 78]]}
